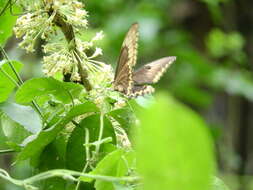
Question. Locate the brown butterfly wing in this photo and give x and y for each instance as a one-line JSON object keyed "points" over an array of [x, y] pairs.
{"points": [[152, 72], [123, 77], [141, 90]]}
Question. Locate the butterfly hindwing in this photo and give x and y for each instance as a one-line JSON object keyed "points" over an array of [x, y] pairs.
{"points": [[141, 90], [123, 77], [152, 72]]}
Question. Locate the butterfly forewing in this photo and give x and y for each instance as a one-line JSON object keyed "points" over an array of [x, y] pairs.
{"points": [[152, 72], [123, 77]]}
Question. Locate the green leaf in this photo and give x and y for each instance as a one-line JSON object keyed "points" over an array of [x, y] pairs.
{"points": [[76, 155], [116, 163], [218, 184], [35, 144], [37, 87], [174, 149], [24, 115], [6, 85], [53, 156], [7, 23], [14, 132]]}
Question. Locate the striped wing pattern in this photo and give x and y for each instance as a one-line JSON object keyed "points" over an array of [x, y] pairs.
{"points": [[123, 77], [136, 83]]}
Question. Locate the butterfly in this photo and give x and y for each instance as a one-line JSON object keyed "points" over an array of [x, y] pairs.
{"points": [[137, 83]]}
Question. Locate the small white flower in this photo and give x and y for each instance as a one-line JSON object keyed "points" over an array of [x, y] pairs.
{"points": [[98, 51], [99, 36]]}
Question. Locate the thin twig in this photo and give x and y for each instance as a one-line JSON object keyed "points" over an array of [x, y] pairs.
{"points": [[7, 151], [101, 130], [87, 149], [35, 105], [9, 77], [11, 66]]}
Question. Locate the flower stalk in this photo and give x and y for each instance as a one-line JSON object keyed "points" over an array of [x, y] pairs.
{"points": [[69, 34]]}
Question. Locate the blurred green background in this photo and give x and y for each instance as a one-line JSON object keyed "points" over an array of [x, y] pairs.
{"points": [[213, 42]]}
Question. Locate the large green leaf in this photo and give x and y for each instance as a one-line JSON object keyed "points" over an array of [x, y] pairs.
{"points": [[35, 144], [52, 157], [76, 155], [24, 115], [37, 87], [174, 149], [7, 23], [6, 85]]}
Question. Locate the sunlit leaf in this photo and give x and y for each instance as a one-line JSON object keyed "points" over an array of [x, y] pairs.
{"points": [[34, 88], [174, 149], [24, 115]]}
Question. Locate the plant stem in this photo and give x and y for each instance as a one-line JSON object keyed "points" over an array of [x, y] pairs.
{"points": [[35, 105], [69, 34], [101, 130], [84, 169], [9, 77], [64, 174], [7, 151], [11, 66], [87, 149]]}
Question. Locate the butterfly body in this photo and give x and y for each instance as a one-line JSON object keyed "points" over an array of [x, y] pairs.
{"points": [[136, 83]]}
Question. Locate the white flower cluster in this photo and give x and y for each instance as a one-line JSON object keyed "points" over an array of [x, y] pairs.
{"points": [[31, 26], [73, 11], [58, 59], [38, 22], [60, 56]]}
